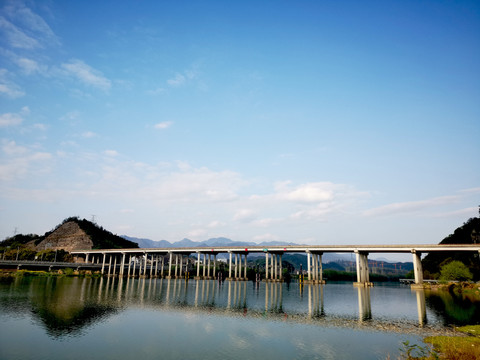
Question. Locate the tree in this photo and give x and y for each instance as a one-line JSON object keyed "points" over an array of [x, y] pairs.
{"points": [[455, 270]]}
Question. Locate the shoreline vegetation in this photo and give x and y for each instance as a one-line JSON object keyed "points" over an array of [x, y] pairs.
{"points": [[463, 344]]}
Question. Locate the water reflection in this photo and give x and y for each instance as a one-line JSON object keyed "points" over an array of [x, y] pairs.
{"points": [[364, 303], [421, 307], [67, 305]]}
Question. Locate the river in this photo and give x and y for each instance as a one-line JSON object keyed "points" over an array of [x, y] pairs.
{"points": [[110, 318]]}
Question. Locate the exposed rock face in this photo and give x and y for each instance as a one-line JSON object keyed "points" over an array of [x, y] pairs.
{"points": [[69, 237]]}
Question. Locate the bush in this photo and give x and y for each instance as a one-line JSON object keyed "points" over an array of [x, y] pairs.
{"points": [[455, 270]]}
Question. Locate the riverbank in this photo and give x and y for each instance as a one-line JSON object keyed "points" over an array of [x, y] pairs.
{"points": [[11, 274], [464, 344]]}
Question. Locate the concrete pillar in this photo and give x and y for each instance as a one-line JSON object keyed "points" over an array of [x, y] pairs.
{"points": [[163, 265], [236, 266], [145, 257], [156, 266], [204, 265], [170, 266], [198, 264], [151, 267], [417, 267], [123, 264], [103, 263], [230, 266], [281, 266], [320, 268], [115, 266], [208, 266], [359, 272], [214, 266], [109, 264], [266, 266], [363, 278], [245, 268], [134, 265], [129, 263], [239, 266], [308, 267], [181, 265], [86, 258]]}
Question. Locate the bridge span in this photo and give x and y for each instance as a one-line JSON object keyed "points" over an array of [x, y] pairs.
{"points": [[112, 260]]}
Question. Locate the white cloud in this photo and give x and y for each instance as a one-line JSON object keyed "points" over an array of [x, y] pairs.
{"points": [[10, 119], [245, 215], [89, 134], [163, 125], [111, 153], [13, 119], [265, 237], [19, 161], [7, 87], [178, 80], [86, 74], [16, 37], [28, 66], [410, 206], [196, 233], [26, 29], [215, 224]]}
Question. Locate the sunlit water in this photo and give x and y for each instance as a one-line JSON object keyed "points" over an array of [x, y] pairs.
{"points": [[100, 318]]}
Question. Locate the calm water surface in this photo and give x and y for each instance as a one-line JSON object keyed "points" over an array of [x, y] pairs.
{"points": [[107, 318]]}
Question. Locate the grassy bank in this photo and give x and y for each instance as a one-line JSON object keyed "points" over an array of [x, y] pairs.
{"points": [[464, 346], [64, 272]]}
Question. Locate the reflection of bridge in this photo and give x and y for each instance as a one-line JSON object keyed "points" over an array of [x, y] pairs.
{"points": [[148, 260], [237, 296]]}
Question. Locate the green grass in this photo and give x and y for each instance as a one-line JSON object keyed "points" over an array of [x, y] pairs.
{"points": [[465, 346]]}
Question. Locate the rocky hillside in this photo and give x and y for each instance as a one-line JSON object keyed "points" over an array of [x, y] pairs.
{"points": [[68, 236], [72, 234]]}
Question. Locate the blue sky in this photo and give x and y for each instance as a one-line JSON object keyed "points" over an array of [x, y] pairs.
{"points": [[316, 122]]}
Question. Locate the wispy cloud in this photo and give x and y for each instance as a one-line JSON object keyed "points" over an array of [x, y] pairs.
{"points": [[178, 80], [86, 74], [25, 28], [89, 134], [15, 37], [163, 125], [13, 119], [20, 161], [8, 87], [410, 206]]}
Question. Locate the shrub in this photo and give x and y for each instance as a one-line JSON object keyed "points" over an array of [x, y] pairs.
{"points": [[455, 270]]}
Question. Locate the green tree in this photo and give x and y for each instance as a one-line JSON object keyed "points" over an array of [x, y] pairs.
{"points": [[455, 270]]}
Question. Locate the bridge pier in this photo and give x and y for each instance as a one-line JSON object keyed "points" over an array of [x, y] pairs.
{"points": [[314, 268], [417, 270], [169, 276], [363, 278]]}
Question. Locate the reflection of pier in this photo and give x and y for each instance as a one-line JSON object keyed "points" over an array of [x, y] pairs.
{"points": [[274, 297], [364, 304], [151, 262], [315, 301], [212, 296]]}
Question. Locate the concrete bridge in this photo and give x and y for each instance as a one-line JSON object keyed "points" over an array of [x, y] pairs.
{"points": [[113, 260]]}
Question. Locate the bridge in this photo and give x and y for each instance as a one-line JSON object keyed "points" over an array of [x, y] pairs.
{"points": [[113, 260]]}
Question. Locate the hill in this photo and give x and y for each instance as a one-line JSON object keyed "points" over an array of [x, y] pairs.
{"points": [[72, 234], [468, 233]]}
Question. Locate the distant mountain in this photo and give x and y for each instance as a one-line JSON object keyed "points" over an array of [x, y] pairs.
{"points": [[222, 241], [213, 242]]}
